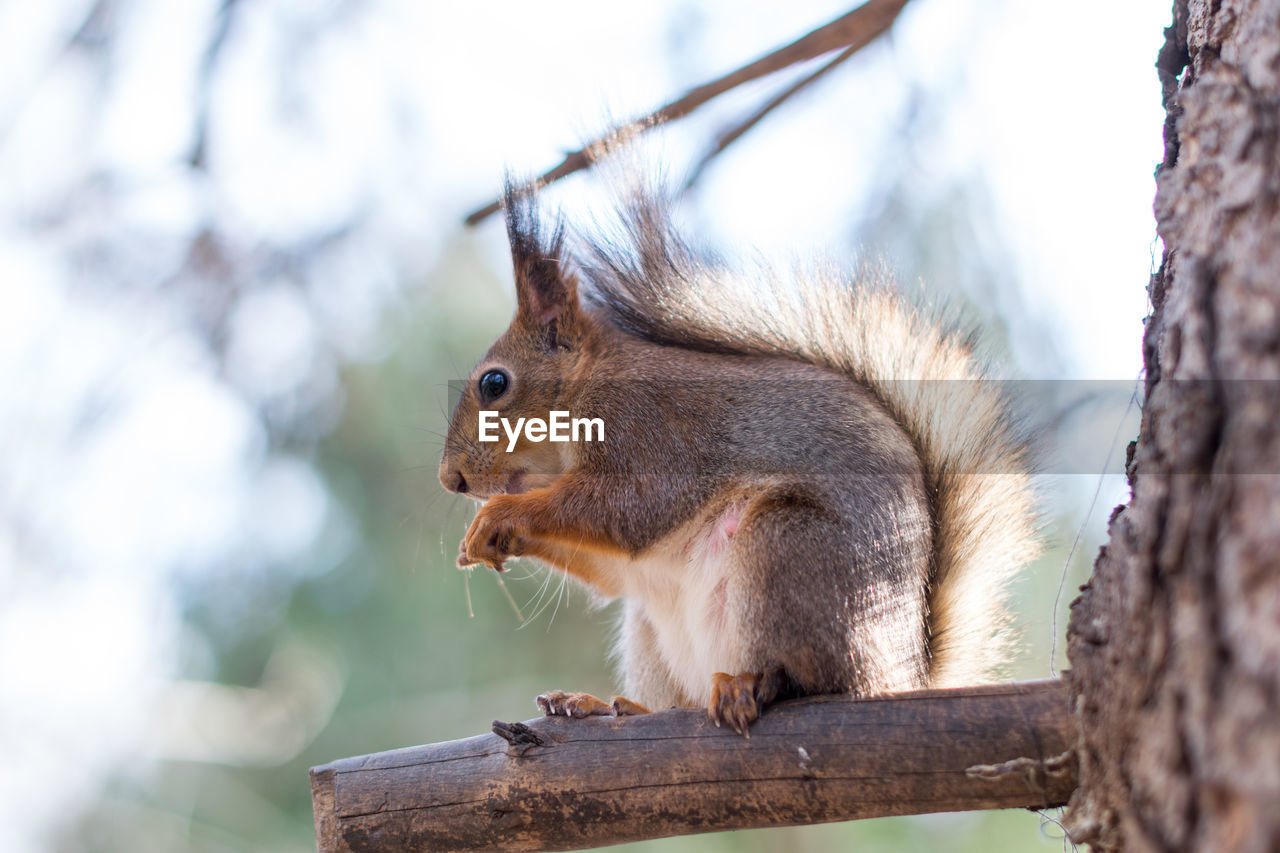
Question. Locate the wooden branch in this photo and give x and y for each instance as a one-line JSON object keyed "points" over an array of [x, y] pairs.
{"points": [[561, 784], [853, 30]]}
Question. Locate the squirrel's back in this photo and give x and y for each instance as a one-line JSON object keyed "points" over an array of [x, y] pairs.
{"points": [[973, 451]]}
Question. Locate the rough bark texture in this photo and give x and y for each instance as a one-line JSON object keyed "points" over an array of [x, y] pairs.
{"points": [[1175, 642], [560, 784]]}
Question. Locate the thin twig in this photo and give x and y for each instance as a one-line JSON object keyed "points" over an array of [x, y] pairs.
{"points": [[732, 134], [852, 30]]}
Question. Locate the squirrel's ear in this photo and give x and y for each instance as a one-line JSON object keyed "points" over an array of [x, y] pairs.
{"points": [[545, 289]]}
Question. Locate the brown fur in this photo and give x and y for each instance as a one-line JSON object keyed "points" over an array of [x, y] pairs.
{"points": [[804, 483]]}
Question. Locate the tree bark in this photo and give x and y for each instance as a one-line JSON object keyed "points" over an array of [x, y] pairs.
{"points": [[1175, 642], [560, 784]]}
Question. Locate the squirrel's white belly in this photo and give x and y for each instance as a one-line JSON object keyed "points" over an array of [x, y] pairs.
{"points": [[683, 587]]}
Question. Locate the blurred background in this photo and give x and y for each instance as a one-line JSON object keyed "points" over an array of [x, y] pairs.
{"points": [[234, 284]]}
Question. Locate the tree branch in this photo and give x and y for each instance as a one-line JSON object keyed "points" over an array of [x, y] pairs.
{"points": [[560, 784], [852, 30]]}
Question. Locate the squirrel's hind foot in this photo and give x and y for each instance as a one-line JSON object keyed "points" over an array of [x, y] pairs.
{"points": [[737, 700]]}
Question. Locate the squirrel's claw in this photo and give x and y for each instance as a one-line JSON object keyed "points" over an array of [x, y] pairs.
{"points": [[558, 703], [465, 561]]}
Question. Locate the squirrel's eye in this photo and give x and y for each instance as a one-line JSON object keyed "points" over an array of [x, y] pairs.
{"points": [[493, 384]]}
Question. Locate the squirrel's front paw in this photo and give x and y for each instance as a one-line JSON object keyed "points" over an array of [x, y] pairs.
{"points": [[492, 537]]}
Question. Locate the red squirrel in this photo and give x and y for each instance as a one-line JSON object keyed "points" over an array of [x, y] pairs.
{"points": [[804, 484]]}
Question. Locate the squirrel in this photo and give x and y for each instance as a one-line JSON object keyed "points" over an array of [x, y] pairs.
{"points": [[805, 484]]}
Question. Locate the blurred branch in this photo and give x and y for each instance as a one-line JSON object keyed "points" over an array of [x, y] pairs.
{"points": [[91, 31], [558, 784], [222, 27], [91, 35], [852, 31]]}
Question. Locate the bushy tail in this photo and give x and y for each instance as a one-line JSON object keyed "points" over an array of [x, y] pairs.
{"points": [[976, 458]]}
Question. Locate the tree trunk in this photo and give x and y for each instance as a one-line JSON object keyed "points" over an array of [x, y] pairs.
{"points": [[1175, 641]]}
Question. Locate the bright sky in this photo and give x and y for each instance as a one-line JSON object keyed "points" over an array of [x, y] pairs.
{"points": [[126, 452]]}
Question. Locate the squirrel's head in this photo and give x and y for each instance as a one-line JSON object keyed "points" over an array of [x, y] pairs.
{"points": [[527, 373]]}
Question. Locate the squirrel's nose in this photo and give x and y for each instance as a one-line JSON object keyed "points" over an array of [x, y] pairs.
{"points": [[453, 480]]}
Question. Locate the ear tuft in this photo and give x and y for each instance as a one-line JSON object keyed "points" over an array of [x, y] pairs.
{"points": [[545, 289]]}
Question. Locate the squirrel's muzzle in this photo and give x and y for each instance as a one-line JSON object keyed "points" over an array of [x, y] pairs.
{"points": [[451, 478]]}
